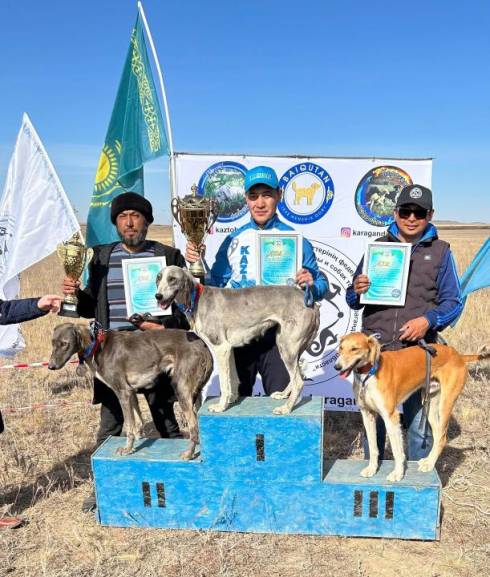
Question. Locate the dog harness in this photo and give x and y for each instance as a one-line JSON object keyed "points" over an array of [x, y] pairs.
{"points": [[97, 334]]}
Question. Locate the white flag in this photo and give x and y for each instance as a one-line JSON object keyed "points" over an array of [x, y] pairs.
{"points": [[35, 216]]}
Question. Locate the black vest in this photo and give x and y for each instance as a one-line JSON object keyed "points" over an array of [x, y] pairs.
{"points": [[425, 264]]}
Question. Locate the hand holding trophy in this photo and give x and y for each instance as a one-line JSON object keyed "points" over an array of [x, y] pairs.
{"points": [[74, 255], [196, 215]]}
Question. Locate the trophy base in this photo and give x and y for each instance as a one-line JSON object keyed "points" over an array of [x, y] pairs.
{"points": [[68, 310], [197, 269]]}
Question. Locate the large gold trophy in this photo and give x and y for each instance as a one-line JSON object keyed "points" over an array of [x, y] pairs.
{"points": [[196, 215], [74, 255]]}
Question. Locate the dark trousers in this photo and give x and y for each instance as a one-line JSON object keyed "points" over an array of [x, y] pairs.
{"points": [[160, 399], [261, 356]]}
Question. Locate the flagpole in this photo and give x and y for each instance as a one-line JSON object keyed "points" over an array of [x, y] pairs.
{"points": [[173, 181]]}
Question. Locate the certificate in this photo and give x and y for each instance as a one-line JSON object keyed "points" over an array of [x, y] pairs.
{"points": [[279, 257], [386, 264], [140, 284]]}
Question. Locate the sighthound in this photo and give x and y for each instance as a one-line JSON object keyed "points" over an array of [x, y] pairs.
{"points": [[396, 375], [129, 361], [228, 318]]}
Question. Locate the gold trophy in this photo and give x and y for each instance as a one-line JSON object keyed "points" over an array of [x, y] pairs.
{"points": [[74, 255], [196, 215]]}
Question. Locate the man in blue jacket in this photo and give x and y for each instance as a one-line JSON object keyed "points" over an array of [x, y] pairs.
{"points": [[433, 301], [235, 267], [18, 311]]}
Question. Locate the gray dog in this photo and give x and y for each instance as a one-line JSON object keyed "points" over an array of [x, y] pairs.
{"points": [[228, 318], [128, 361]]}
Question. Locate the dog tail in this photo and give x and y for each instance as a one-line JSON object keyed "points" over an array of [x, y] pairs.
{"points": [[484, 353]]}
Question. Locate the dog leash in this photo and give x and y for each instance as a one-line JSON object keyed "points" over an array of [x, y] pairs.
{"points": [[429, 353], [309, 300]]}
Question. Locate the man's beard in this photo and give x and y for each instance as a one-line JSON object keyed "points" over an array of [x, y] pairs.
{"points": [[133, 241]]}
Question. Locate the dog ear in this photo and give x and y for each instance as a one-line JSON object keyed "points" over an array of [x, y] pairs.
{"points": [[374, 350]]}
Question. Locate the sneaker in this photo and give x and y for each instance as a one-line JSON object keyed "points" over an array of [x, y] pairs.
{"points": [[89, 504], [11, 522]]}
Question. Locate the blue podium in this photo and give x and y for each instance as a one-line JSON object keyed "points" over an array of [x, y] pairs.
{"points": [[260, 472]]}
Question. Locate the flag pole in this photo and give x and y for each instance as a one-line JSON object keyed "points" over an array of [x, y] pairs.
{"points": [[173, 182]]}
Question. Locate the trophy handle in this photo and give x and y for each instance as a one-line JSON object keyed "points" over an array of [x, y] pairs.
{"points": [[175, 210]]}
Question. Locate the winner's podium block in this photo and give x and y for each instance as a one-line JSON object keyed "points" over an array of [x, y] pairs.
{"points": [[260, 472]]}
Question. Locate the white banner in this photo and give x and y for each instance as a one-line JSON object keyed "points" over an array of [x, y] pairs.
{"points": [[35, 215], [338, 204]]}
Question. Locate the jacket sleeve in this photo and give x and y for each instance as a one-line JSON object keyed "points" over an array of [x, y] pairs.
{"points": [[221, 270], [18, 311], [449, 301], [352, 298], [87, 299], [320, 282]]}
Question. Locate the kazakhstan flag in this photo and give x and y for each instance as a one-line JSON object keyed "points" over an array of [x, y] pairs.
{"points": [[136, 134]]}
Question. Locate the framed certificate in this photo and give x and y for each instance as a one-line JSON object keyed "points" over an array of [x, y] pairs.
{"points": [[386, 264], [140, 284], [279, 257]]}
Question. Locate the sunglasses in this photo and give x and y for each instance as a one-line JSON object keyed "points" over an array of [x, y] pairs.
{"points": [[419, 213]]}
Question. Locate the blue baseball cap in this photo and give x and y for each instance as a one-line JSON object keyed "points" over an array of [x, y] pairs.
{"points": [[261, 175]]}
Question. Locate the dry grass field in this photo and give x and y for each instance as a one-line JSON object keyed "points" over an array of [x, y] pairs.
{"points": [[45, 475]]}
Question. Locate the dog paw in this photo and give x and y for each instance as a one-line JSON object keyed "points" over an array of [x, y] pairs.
{"points": [[282, 410], [217, 408], [186, 455], [395, 476], [425, 465], [124, 451], [369, 471], [279, 395]]}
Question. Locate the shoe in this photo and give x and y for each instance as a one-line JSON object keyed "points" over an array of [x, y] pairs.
{"points": [[89, 504], [11, 522]]}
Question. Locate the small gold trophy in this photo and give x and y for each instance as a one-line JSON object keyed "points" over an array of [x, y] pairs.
{"points": [[74, 255], [196, 215]]}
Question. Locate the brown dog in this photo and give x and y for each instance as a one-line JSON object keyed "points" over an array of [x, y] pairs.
{"points": [[127, 361], [396, 375]]}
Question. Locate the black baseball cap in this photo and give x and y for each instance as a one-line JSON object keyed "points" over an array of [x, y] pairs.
{"points": [[415, 194]]}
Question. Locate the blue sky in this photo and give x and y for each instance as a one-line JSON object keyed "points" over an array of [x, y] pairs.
{"points": [[333, 78]]}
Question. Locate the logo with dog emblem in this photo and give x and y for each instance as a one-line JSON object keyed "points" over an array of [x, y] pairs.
{"points": [[415, 193], [377, 192], [308, 193], [224, 181]]}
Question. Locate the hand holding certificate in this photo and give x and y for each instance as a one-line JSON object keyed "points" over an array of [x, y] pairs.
{"points": [[387, 265], [279, 257]]}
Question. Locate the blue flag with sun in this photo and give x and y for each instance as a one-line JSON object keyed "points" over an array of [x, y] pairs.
{"points": [[136, 134]]}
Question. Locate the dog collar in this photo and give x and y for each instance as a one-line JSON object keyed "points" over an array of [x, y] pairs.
{"points": [[190, 306], [369, 370], [98, 335]]}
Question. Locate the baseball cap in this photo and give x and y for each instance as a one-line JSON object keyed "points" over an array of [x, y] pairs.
{"points": [[261, 175], [415, 194]]}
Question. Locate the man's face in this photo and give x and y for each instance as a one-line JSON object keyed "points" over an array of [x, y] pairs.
{"points": [[132, 227], [262, 201], [412, 220]]}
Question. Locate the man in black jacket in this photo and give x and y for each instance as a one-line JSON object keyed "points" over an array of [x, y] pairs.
{"points": [[103, 299]]}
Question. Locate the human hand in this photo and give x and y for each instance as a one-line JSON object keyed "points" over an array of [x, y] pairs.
{"points": [[361, 284], [149, 326], [70, 286], [145, 322], [304, 278], [193, 253], [49, 303], [414, 329]]}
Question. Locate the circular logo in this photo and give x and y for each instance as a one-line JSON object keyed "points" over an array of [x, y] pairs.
{"points": [[396, 293], [308, 193], [377, 192], [415, 193], [224, 181]]}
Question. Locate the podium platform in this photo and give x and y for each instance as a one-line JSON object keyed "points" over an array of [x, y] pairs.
{"points": [[260, 472]]}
